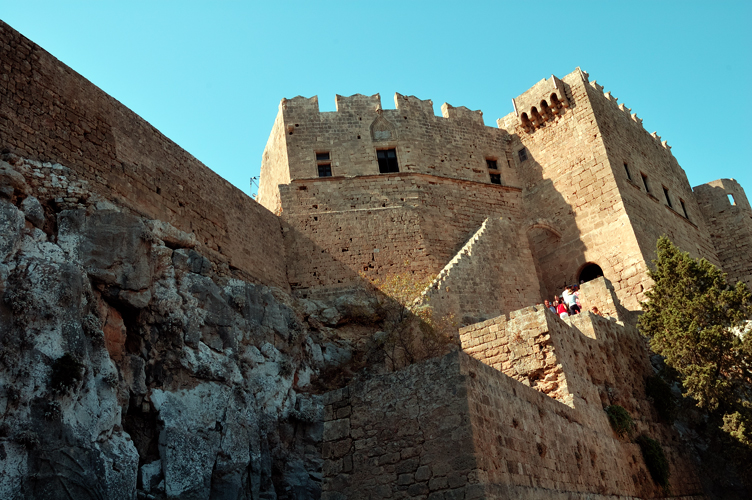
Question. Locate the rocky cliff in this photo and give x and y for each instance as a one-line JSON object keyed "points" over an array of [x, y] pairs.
{"points": [[133, 366]]}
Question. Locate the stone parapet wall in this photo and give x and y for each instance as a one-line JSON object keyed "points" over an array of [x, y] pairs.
{"points": [[585, 361], [728, 216], [455, 145], [51, 114], [456, 428], [338, 228]]}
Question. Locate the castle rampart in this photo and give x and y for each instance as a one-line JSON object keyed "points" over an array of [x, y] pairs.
{"points": [[338, 228], [51, 114], [456, 427], [727, 214]]}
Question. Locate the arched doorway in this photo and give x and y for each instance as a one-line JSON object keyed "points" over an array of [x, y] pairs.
{"points": [[590, 272]]}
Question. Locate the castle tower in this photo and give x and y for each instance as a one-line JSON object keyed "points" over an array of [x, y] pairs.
{"points": [[586, 188], [598, 188], [364, 190], [728, 216]]}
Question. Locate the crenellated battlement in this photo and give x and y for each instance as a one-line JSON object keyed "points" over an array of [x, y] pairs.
{"points": [[369, 104], [628, 112], [412, 103], [462, 113], [300, 104], [358, 103]]}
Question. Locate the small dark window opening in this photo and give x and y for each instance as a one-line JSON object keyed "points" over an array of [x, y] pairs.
{"points": [[522, 153], [325, 170], [387, 161], [684, 209], [645, 182], [324, 164], [590, 272], [668, 198], [496, 179], [492, 164], [626, 169]]}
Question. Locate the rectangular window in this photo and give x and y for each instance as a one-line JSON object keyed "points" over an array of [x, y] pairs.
{"points": [[684, 209], [645, 182], [522, 153], [495, 179], [324, 164], [387, 161], [492, 164], [668, 198], [731, 199], [325, 170], [626, 169]]}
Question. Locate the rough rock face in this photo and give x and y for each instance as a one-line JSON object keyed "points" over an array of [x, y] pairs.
{"points": [[131, 365]]}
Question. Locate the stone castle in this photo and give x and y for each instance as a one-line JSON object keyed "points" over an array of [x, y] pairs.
{"points": [[582, 190], [570, 187]]}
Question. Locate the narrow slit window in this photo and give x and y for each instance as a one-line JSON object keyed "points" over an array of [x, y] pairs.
{"points": [[626, 169], [645, 182], [684, 209], [668, 198], [387, 161], [522, 153], [731, 199]]}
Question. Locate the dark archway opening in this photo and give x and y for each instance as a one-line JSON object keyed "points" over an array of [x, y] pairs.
{"points": [[590, 272]]}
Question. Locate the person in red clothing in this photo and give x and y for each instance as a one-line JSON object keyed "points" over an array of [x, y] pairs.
{"points": [[562, 309]]}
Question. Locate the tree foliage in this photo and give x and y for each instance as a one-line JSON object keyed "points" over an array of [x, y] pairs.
{"points": [[696, 321], [411, 332]]}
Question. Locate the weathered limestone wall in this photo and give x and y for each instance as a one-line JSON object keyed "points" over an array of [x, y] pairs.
{"points": [[454, 427], [572, 201], [491, 275], [730, 226], [455, 145], [274, 170], [650, 216], [337, 228], [405, 434], [51, 114]]}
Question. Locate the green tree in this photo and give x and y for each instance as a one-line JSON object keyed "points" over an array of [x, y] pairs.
{"points": [[696, 321]]}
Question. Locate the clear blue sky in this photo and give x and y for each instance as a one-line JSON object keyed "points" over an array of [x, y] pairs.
{"points": [[210, 74]]}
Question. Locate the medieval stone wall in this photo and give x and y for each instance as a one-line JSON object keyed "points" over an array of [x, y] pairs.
{"points": [[456, 145], [658, 198], [337, 228], [51, 114], [274, 170], [728, 216], [572, 202], [456, 428]]}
